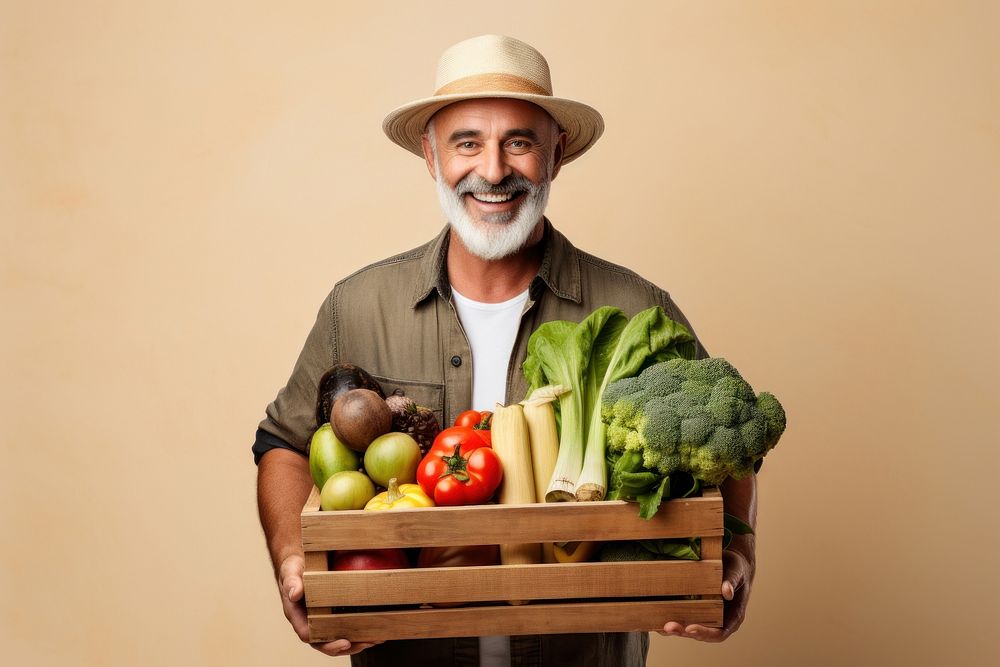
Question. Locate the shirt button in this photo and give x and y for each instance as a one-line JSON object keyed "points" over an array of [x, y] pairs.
{"points": [[456, 361]]}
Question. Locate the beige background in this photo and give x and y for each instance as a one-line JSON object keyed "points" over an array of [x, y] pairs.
{"points": [[181, 183]]}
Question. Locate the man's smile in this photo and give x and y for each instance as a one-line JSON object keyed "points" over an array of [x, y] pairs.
{"points": [[491, 197], [495, 200]]}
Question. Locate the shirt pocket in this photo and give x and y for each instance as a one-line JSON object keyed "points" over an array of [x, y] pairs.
{"points": [[427, 394]]}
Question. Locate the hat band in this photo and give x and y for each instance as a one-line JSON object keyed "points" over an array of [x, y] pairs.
{"points": [[480, 83]]}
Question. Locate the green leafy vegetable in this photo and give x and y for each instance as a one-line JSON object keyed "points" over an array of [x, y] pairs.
{"points": [[683, 548], [631, 480], [648, 337], [560, 352], [732, 525], [587, 357]]}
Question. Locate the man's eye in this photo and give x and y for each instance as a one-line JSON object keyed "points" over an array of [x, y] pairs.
{"points": [[518, 145], [467, 145]]}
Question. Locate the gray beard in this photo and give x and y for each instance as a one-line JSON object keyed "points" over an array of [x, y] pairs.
{"points": [[498, 235]]}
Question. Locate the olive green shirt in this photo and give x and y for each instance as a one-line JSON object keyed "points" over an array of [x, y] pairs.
{"points": [[396, 320]]}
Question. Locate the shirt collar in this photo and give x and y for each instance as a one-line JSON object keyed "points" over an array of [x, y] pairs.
{"points": [[559, 271]]}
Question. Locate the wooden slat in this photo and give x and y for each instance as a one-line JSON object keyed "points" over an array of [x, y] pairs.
{"points": [[316, 563], [641, 616], [312, 502], [499, 524], [517, 582], [711, 548]]}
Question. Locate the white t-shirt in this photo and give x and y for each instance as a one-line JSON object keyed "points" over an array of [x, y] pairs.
{"points": [[491, 329]]}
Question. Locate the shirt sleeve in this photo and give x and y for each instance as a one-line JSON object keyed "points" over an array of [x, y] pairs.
{"points": [[290, 419], [674, 313], [265, 442]]}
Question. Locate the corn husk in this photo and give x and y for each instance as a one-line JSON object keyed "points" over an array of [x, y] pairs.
{"points": [[512, 445]]}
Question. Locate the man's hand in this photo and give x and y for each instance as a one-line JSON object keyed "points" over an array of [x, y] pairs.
{"points": [[738, 565], [291, 590], [283, 484], [737, 575]]}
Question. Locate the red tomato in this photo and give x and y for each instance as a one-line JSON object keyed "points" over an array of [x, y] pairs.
{"points": [[457, 435], [479, 421], [460, 468], [370, 559]]}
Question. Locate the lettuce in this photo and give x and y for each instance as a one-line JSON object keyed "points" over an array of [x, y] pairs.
{"points": [[606, 346]]}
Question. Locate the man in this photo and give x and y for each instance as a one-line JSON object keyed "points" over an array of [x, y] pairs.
{"points": [[448, 323]]}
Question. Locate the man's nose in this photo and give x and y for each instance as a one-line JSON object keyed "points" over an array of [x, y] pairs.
{"points": [[493, 166]]}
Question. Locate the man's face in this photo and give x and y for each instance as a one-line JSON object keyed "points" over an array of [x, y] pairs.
{"points": [[493, 161]]}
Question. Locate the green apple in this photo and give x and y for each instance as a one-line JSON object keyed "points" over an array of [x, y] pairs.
{"points": [[392, 455], [328, 455], [346, 490]]}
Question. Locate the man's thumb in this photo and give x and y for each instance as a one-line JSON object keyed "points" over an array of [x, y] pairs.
{"points": [[292, 590], [728, 590], [291, 579]]}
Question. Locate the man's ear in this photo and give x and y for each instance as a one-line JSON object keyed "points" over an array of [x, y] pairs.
{"points": [[425, 143], [560, 152]]}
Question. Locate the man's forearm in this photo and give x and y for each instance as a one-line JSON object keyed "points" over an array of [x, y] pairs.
{"points": [[283, 484]]}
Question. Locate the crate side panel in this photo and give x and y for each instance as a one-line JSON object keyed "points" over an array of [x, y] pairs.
{"points": [[711, 548], [639, 616], [513, 582], [313, 501], [504, 524], [315, 561]]}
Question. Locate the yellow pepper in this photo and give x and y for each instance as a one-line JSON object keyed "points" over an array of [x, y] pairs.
{"points": [[400, 496], [575, 552]]}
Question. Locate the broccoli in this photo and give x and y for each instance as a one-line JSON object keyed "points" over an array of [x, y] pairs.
{"points": [[699, 417]]}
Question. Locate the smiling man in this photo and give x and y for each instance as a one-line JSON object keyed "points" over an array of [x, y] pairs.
{"points": [[493, 163], [453, 319]]}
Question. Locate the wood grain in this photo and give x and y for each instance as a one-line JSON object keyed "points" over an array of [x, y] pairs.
{"points": [[504, 524], [531, 619], [520, 582], [568, 597], [711, 548], [313, 501], [316, 563]]}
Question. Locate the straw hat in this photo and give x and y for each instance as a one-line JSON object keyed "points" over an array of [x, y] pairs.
{"points": [[495, 66]]}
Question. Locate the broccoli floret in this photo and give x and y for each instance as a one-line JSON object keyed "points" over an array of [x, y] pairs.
{"points": [[772, 411], [699, 417]]}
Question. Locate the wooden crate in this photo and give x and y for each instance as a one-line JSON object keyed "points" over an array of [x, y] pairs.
{"points": [[565, 597]]}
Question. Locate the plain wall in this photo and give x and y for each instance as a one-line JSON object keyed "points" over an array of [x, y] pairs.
{"points": [[181, 183]]}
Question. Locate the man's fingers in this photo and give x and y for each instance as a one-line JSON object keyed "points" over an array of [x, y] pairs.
{"points": [[705, 634], [290, 589], [296, 614], [672, 628], [735, 592], [342, 647], [736, 610], [334, 648]]}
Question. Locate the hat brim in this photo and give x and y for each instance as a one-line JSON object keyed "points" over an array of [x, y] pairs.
{"points": [[583, 124]]}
